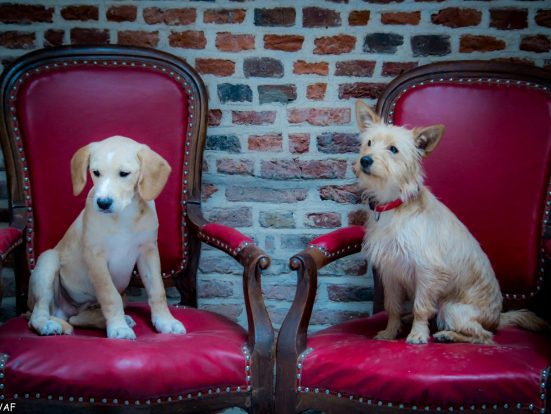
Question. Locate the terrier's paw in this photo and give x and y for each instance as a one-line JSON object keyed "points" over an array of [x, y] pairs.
{"points": [[169, 325], [129, 321], [443, 336], [417, 338], [120, 332], [51, 327], [386, 335]]}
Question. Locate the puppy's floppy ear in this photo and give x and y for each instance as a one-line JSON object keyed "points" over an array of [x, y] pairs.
{"points": [[154, 172], [365, 116], [427, 138], [79, 169]]}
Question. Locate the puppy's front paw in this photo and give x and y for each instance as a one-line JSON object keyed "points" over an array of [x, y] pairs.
{"points": [[51, 327], [417, 338], [120, 332], [129, 321], [386, 335], [169, 325]]}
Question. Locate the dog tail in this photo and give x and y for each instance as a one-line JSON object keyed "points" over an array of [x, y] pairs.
{"points": [[525, 319]]}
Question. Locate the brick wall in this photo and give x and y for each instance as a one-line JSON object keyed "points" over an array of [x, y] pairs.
{"points": [[282, 78]]}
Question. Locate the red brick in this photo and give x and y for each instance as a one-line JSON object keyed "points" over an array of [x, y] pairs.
{"points": [[235, 167], [538, 43], [253, 118], [53, 37], [214, 117], [218, 67], [172, 17], [359, 17], [367, 90], [301, 67], [509, 19], [357, 218], [457, 17], [138, 38], [362, 68], [82, 13], [230, 216], [343, 194], [397, 68], [279, 16], [266, 195], [543, 18], [190, 39], [349, 293], [319, 116], [207, 191], [473, 43], [299, 143], [229, 42], [13, 39], [285, 169], [81, 36], [333, 316], [319, 17], [279, 292], [323, 220], [25, 13], [316, 91], [402, 18], [286, 43], [224, 16], [273, 142], [215, 289], [334, 45], [124, 13]]}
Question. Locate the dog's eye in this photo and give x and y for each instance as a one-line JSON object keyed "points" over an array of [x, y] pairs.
{"points": [[393, 149], [369, 143], [124, 173], [96, 173]]}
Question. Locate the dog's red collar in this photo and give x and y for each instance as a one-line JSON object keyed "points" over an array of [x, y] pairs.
{"points": [[391, 205]]}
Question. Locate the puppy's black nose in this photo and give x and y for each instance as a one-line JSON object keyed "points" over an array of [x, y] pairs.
{"points": [[104, 203], [366, 162]]}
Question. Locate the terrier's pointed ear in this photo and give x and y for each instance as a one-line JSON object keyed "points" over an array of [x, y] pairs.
{"points": [[427, 138], [79, 169], [365, 116]]}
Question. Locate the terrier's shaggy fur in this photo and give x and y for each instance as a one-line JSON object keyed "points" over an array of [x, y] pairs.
{"points": [[421, 250]]}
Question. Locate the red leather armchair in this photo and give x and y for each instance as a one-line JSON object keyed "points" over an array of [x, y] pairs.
{"points": [[493, 169], [54, 102]]}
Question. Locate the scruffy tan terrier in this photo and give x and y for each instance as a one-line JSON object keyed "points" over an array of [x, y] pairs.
{"points": [[421, 250]]}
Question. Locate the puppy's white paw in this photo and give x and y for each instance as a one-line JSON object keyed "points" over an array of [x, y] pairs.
{"points": [[386, 335], [120, 332], [417, 338], [129, 321], [169, 325], [51, 327]]}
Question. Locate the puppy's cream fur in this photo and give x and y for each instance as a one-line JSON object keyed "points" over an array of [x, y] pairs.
{"points": [[93, 262], [421, 250]]}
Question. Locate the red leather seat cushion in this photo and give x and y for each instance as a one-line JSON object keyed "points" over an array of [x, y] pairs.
{"points": [[345, 359], [89, 365]]}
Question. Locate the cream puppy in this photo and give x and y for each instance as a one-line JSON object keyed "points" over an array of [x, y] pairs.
{"points": [[421, 250], [79, 282]]}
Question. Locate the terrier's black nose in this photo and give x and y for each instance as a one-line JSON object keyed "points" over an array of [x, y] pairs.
{"points": [[366, 162], [104, 203]]}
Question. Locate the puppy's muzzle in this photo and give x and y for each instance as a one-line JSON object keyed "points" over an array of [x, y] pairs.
{"points": [[366, 163], [104, 204]]}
